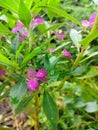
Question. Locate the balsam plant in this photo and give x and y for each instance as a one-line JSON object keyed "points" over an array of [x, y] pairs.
{"points": [[44, 71]]}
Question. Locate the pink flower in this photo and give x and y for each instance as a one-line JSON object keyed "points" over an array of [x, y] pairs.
{"points": [[2, 72], [37, 20], [19, 25], [34, 76], [66, 53], [41, 75], [21, 30], [60, 35], [89, 23], [31, 74], [33, 85]]}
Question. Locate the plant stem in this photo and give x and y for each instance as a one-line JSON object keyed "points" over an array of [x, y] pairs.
{"points": [[77, 61], [36, 111], [30, 40], [33, 111], [97, 115], [61, 84]]}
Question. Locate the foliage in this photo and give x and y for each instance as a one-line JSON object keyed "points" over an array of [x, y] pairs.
{"points": [[45, 42]]}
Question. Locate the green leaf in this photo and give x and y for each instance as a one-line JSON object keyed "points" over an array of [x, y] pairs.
{"points": [[64, 14], [52, 3], [63, 44], [3, 128], [79, 70], [91, 55], [18, 91], [50, 109], [11, 5], [14, 44], [91, 72], [47, 63], [38, 3], [24, 14], [33, 53], [3, 29], [91, 107], [96, 2], [2, 87], [5, 60], [29, 3], [5, 94], [76, 37], [23, 104], [86, 41], [53, 62], [20, 48]]}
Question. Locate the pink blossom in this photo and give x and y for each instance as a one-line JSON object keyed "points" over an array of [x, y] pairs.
{"points": [[19, 25], [2, 72], [37, 20], [41, 75], [21, 30], [60, 35], [85, 23], [89, 23], [34, 76], [33, 85], [31, 74], [66, 53]]}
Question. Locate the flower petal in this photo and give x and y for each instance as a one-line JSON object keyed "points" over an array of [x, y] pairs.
{"points": [[25, 33], [37, 20], [20, 24], [41, 73], [31, 74], [42, 79], [33, 85], [66, 53], [85, 23], [16, 29], [92, 18]]}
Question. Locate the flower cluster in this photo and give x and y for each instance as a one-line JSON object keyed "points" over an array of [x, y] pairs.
{"points": [[89, 23], [22, 31], [34, 76]]}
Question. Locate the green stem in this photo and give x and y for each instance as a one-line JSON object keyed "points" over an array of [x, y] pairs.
{"points": [[33, 113], [30, 40], [77, 61], [61, 84], [36, 111]]}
